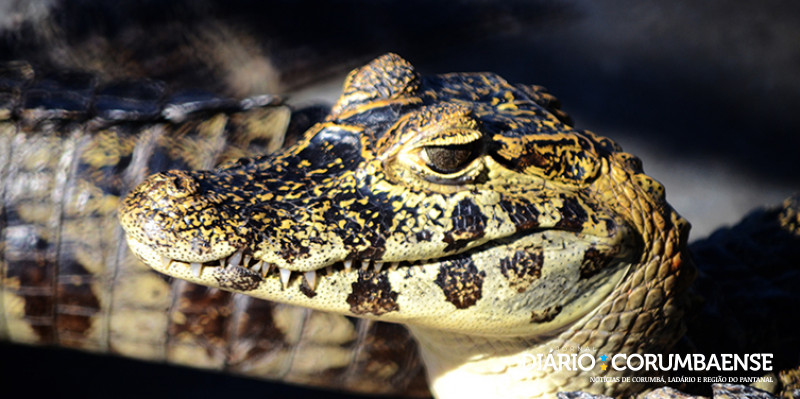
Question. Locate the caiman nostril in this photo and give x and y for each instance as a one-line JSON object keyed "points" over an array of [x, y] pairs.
{"points": [[173, 184]]}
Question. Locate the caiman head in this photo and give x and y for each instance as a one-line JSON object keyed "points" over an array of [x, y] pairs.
{"points": [[460, 205]]}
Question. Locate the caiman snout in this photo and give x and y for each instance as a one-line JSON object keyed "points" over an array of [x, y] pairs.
{"points": [[174, 216]]}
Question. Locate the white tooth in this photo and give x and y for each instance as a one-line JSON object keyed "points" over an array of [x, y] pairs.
{"points": [[165, 262], [236, 258], [378, 267], [285, 275], [247, 259], [394, 265], [348, 264], [197, 268], [257, 266], [311, 279], [364, 265], [268, 268], [329, 270]]}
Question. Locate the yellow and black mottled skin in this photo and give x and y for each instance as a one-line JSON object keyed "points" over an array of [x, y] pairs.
{"points": [[71, 146], [473, 212]]}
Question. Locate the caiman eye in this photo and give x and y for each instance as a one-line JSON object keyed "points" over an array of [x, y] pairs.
{"points": [[447, 159]]}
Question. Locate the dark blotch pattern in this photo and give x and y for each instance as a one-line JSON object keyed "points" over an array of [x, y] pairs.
{"points": [[545, 315], [237, 278], [461, 282], [372, 293], [369, 239], [257, 327], [573, 216], [77, 303], [59, 300], [524, 215], [424, 235], [595, 260], [387, 346], [39, 309], [522, 268], [201, 316], [307, 290], [469, 225]]}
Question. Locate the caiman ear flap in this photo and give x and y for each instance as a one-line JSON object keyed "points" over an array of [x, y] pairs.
{"points": [[386, 77]]}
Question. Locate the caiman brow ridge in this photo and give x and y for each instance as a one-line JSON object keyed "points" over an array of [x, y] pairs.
{"points": [[464, 207]]}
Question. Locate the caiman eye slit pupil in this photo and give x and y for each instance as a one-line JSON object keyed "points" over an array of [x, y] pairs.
{"points": [[448, 159]]}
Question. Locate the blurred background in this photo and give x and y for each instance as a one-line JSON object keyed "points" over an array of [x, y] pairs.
{"points": [[707, 93]]}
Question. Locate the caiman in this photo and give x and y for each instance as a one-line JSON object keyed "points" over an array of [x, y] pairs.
{"points": [[456, 216]]}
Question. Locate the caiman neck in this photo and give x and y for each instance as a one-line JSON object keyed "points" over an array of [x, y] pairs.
{"points": [[465, 366]]}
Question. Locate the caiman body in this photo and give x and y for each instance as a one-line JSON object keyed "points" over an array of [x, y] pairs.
{"points": [[460, 206]]}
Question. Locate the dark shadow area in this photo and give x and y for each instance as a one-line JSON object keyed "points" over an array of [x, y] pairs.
{"points": [[38, 372], [696, 80], [194, 43], [747, 280]]}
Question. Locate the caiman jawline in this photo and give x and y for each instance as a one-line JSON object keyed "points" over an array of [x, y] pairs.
{"points": [[243, 261]]}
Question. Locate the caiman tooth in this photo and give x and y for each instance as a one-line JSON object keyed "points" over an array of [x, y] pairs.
{"points": [[236, 258], [247, 259], [311, 279], [257, 266], [268, 268], [165, 262], [348, 264], [378, 267], [365, 265], [329, 270], [285, 275], [197, 269], [394, 266]]}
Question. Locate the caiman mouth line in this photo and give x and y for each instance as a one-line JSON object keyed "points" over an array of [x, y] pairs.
{"points": [[243, 261], [267, 270]]}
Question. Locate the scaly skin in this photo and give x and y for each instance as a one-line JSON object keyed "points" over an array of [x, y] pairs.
{"points": [[71, 146], [464, 207]]}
